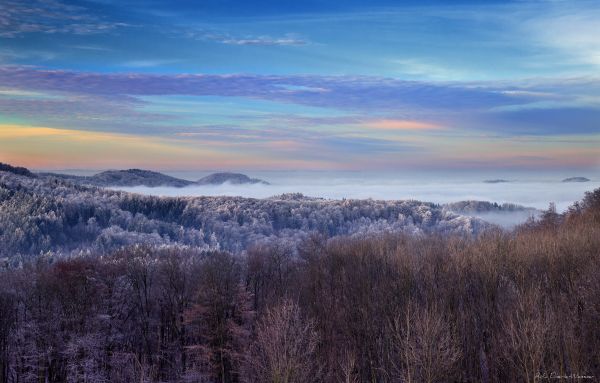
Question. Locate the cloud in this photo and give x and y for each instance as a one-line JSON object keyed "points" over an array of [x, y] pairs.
{"points": [[72, 109], [50, 17], [572, 28], [21, 93], [264, 40], [506, 107], [46, 147], [90, 48], [289, 39], [344, 92], [402, 125], [148, 63], [8, 55], [423, 69], [36, 146], [546, 121]]}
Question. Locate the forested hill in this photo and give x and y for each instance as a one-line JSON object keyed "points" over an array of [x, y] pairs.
{"points": [[127, 178], [140, 177], [39, 215], [470, 207], [15, 170], [232, 178]]}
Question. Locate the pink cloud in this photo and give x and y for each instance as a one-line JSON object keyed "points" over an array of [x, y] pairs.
{"points": [[402, 125]]}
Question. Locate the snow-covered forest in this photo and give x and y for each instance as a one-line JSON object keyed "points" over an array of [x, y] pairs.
{"points": [[49, 214], [496, 307]]}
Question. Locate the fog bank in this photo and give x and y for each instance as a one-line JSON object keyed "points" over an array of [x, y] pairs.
{"points": [[531, 193], [507, 220]]}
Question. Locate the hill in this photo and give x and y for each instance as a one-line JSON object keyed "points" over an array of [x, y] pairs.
{"points": [[16, 170], [232, 178], [496, 181], [126, 178], [469, 207], [139, 177], [136, 177], [38, 215], [576, 179]]}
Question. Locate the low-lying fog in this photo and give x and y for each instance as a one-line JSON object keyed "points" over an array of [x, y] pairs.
{"points": [[528, 190], [508, 219]]}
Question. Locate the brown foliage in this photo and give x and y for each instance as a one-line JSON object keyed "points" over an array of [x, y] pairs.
{"points": [[428, 350], [284, 350], [502, 307]]}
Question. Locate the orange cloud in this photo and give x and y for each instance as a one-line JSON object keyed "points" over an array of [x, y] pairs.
{"points": [[402, 125], [53, 148]]}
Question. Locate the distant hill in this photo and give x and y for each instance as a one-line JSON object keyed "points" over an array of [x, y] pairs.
{"points": [[232, 178], [137, 177], [576, 179], [66, 177], [470, 207], [16, 170], [127, 178], [497, 181], [505, 215]]}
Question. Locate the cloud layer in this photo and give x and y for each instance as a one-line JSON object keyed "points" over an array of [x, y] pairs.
{"points": [[49, 17], [532, 190], [541, 107], [332, 121]]}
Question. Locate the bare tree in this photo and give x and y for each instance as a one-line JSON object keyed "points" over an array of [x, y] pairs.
{"points": [[285, 348], [218, 323], [525, 329], [427, 346], [348, 368]]}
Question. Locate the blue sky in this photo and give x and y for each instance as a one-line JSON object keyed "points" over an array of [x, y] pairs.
{"points": [[309, 85]]}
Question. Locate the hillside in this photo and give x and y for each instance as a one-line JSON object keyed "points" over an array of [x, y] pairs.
{"points": [[469, 207], [139, 177], [576, 179], [127, 178], [474, 308], [506, 215], [232, 178], [15, 170], [496, 181], [52, 214]]}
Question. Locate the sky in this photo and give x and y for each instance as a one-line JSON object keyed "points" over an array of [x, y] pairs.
{"points": [[301, 85]]}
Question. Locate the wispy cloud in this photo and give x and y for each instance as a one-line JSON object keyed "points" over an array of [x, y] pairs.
{"points": [[420, 68], [289, 39], [122, 101], [51, 17], [90, 48], [148, 63], [263, 40], [402, 125], [76, 110], [572, 28], [345, 92], [10, 55]]}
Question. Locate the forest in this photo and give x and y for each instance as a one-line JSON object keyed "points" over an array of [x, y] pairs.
{"points": [[51, 215], [390, 306]]}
